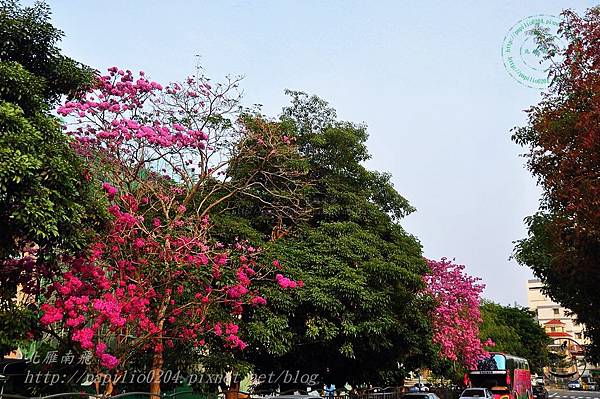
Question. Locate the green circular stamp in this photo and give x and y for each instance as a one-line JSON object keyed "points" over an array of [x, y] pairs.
{"points": [[524, 57]]}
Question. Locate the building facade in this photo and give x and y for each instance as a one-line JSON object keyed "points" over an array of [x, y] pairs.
{"points": [[555, 319], [568, 338]]}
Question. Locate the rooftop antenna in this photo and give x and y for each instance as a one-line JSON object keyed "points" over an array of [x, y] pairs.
{"points": [[198, 65]]}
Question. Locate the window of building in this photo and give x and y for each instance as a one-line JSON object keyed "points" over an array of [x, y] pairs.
{"points": [[556, 311], [552, 329], [578, 335]]}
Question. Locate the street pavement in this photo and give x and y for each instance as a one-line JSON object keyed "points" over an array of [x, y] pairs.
{"points": [[564, 394]]}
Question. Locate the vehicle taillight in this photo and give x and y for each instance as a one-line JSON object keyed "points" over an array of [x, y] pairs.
{"points": [[466, 379], [507, 379]]}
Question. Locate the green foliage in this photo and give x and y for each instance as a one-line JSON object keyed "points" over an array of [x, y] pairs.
{"points": [[336, 151], [28, 38], [42, 197], [45, 201], [15, 324], [21, 87], [514, 330], [360, 317], [535, 251]]}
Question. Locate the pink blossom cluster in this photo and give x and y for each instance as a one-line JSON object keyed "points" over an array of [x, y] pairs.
{"points": [[237, 291], [89, 305], [110, 190], [107, 360], [456, 318], [258, 300], [230, 333], [285, 282], [117, 92], [117, 287], [117, 112]]}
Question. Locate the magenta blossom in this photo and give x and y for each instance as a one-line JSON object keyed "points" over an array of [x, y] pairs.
{"points": [[456, 319]]}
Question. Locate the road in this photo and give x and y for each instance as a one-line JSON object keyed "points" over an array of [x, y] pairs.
{"points": [[564, 394]]}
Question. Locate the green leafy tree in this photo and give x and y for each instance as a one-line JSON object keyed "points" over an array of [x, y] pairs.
{"points": [[361, 316], [45, 200], [514, 330], [29, 39]]}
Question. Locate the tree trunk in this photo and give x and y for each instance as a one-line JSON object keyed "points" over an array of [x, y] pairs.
{"points": [[158, 359], [157, 365], [233, 391], [108, 390]]}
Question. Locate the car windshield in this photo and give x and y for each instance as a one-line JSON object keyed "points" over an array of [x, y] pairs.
{"points": [[473, 393]]}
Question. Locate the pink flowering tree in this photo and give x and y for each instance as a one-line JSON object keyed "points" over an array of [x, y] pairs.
{"points": [[456, 318], [163, 157]]}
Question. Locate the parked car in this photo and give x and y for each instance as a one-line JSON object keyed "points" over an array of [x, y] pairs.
{"points": [[540, 381], [419, 387], [574, 386], [587, 385], [476, 393], [421, 395], [540, 392]]}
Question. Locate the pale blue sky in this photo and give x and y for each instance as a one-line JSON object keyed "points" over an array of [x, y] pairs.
{"points": [[426, 76]]}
